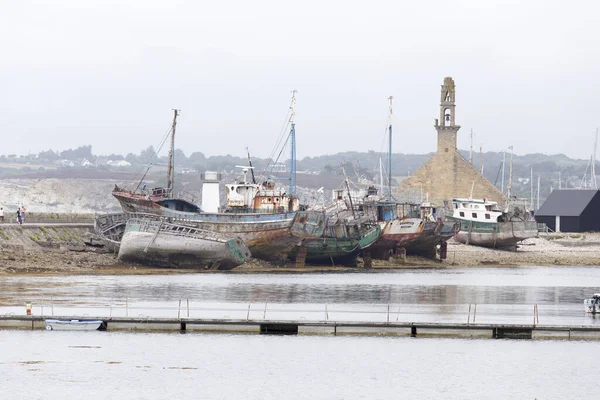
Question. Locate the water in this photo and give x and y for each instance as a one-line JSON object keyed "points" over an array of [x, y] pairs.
{"points": [[52, 365], [48, 365], [502, 295]]}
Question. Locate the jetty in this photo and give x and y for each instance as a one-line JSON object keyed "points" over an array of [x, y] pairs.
{"points": [[291, 327]]}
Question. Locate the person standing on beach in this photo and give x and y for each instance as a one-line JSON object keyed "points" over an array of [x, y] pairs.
{"points": [[22, 214], [1, 215]]}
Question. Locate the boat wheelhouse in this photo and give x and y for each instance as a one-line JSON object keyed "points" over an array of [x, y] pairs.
{"points": [[484, 223]]}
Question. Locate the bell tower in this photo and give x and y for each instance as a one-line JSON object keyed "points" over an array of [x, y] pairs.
{"points": [[445, 125]]}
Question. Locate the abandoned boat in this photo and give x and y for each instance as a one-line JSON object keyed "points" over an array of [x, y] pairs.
{"points": [[348, 233], [592, 305], [409, 226], [413, 227], [110, 228], [483, 223], [267, 219], [157, 241]]}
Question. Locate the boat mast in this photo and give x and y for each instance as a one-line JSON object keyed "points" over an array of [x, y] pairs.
{"points": [[171, 171], [538, 204], [593, 172], [391, 98], [251, 167], [380, 176], [503, 164], [293, 145], [531, 186], [510, 173]]}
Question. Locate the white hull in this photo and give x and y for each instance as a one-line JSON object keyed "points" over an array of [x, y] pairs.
{"points": [[72, 325], [592, 305], [166, 250]]}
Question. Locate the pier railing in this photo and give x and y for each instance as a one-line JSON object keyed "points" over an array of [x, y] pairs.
{"points": [[375, 313]]}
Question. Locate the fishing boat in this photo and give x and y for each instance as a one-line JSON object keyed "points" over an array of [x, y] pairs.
{"points": [[159, 241], [266, 219], [344, 238], [72, 325], [413, 227], [484, 223], [592, 305]]}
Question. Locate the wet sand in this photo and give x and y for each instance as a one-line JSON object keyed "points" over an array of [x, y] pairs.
{"points": [[557, 249]]}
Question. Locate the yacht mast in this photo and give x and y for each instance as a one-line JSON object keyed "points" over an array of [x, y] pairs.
{"points": [[171, 171], [390, 152], [292, 192]]}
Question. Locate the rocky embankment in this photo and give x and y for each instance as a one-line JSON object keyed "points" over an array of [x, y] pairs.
{"points": [[72, 249]]}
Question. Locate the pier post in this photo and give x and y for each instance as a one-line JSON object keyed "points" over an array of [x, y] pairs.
{"points": [[367, 259], [413, 331], [443, 250], [182, 327], [301, 257]]}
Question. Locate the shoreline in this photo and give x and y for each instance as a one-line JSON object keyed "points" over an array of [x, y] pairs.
{"points": [[556, 250]]}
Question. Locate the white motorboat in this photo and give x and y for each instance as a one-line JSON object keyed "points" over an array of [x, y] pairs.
{"points": [[592, 305], [72, 325]]}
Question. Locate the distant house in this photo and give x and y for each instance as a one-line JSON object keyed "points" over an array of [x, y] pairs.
{"points": [[118, 163], [65, 163], [571, 210], [85, 163]]}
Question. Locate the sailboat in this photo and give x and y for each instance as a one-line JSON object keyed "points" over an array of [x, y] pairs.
{"points": [[269, 232], [413, 227]]}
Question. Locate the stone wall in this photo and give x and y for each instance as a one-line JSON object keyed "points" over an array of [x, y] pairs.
{"points": [[448, 175]]}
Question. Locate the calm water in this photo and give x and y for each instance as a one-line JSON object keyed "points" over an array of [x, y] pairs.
{"points": [[48, 365], [501, 295]]}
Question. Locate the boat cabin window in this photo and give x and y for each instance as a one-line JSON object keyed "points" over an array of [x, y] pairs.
{"points": [[455, 205], [476, 206], [474, 215], [462, 214], [488, 208], [487, 216]]}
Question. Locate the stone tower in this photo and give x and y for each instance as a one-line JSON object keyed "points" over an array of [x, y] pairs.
{"points": [[447, 174], [447, 129]]}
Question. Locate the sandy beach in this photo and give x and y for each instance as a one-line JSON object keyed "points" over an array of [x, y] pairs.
{"points": [[552, 250]]}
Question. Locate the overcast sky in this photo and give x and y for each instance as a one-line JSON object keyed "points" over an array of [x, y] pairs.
{"points": [[108, 73]]}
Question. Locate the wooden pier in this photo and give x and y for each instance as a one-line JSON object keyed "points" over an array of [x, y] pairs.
{"points": [[289, 327]]}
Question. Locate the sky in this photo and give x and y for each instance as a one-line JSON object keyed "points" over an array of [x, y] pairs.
{"points": [[108, 73]]}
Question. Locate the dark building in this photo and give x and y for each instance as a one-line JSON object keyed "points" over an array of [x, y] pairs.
{"points": [[571, 210]]}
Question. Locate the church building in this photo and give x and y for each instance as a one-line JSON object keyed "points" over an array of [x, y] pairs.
{"points": [[447, 175]]}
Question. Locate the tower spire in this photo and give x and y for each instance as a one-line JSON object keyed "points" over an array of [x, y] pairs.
{"points": [[446, 124]]}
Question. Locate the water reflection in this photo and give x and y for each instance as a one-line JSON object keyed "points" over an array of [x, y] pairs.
{"points": [[501, 294]]}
